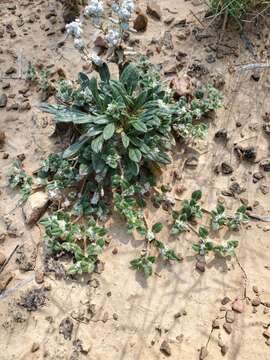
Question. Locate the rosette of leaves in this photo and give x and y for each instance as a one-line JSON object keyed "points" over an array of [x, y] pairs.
{"points": [[145, 262], [123, 125], [57, 173], [18, 178], [189, 211], [204, 246], [128, 202], [218, 217], [187, 112], [83, 242], [239, 218]]}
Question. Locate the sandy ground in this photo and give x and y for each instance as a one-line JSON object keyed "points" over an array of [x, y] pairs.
{"points": [[120, 315]]}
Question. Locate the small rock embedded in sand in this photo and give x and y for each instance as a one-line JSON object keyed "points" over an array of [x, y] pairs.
{"points": [[203, 353], [165, 348], [39, 277], [2, 138], [169, 19], [66, 328], [224, 349], [35, 347], [225, 300], [228, 328], [256, 301], [105, 317], [226, 169], [154, 10], [11, 70], [229, 316], [265, 165], [177, 315], [266, 334], [3, 100], [140, 23], [264, 189], [35, 207], [215, 324], [94, 283], [255, 289], [238, 306], [200, 265]]}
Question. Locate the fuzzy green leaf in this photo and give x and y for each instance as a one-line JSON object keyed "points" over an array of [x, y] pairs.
{"points": [[135, 154], [139, 126], [196, 195], [108, 131], [125, 140], [97, 144], [157, 227], [130, 77], [203, 232], [73, 149]]}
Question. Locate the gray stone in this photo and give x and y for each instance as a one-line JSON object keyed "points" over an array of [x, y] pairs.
{"points": [[3, 100]]}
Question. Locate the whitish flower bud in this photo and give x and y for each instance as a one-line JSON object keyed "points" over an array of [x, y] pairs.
{"points": [[96, 59], [113, 37], [95, 8], [74, 28], [124, 14], [115, 7], [150, 235], [129, 5], [78, 44]]}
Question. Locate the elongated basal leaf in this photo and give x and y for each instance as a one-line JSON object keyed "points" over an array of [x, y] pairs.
{"points": [[67, 114], [108, 131], [130, 77], [97, 144], [73, 149], [134, 154]]}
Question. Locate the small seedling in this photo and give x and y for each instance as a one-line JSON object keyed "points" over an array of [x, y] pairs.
{"points": [[190, 211], [204, 246], [83, 242], [240, 217], [18, 178], [31, 74], [219, 218], [145, 264]]}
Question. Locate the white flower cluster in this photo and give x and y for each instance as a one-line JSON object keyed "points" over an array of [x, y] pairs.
{"points": [[124, 12], [96, 59], [112, 37], [150, 236], [74, 29], [95, 8]]}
